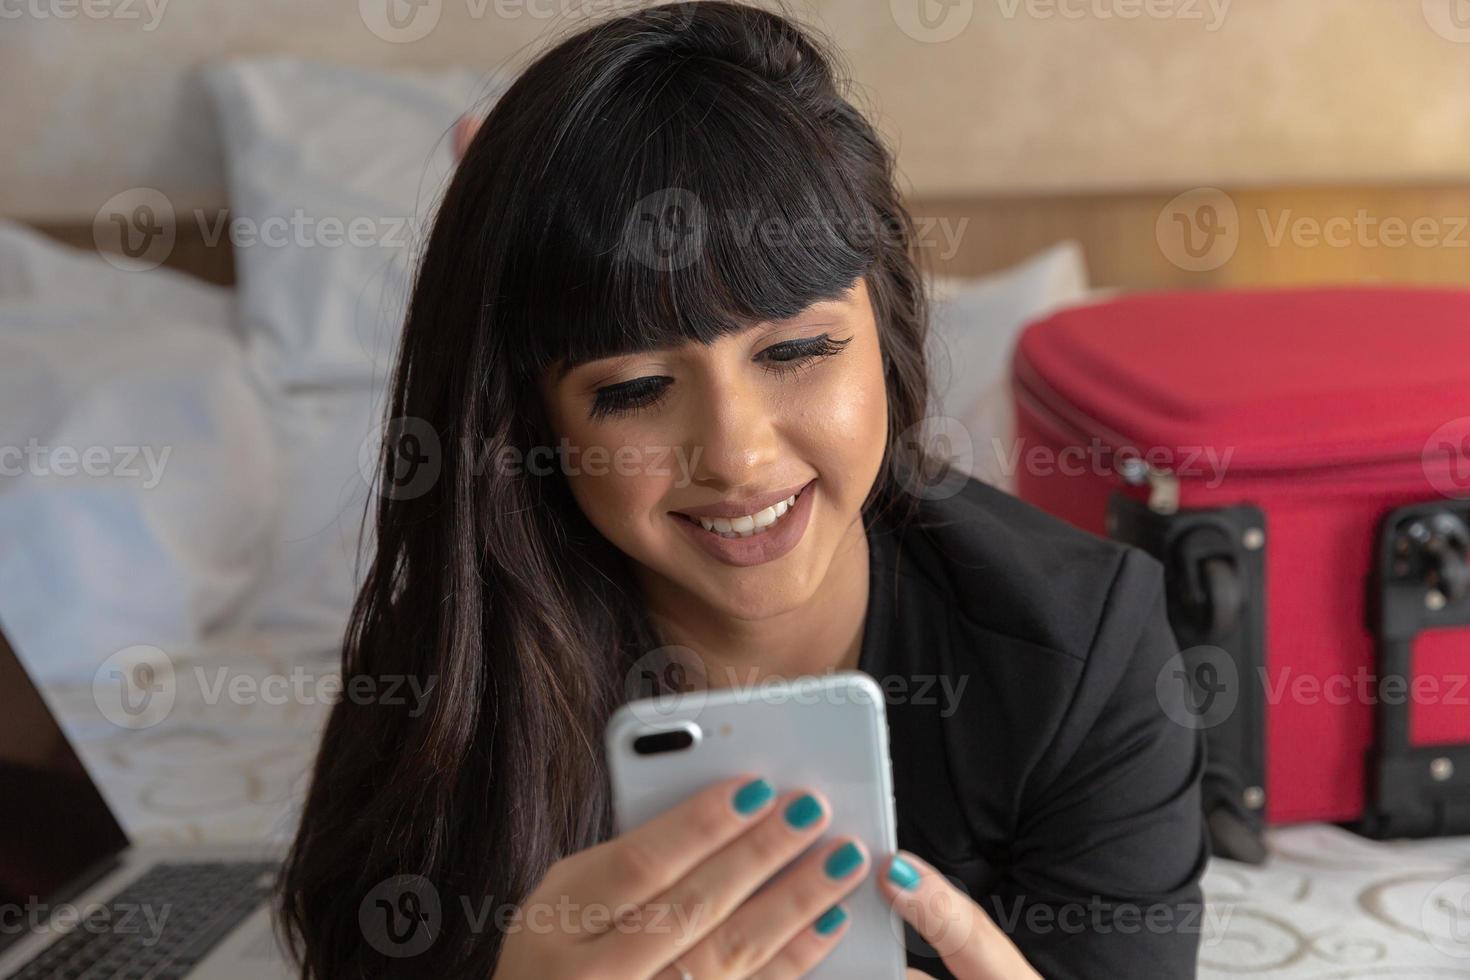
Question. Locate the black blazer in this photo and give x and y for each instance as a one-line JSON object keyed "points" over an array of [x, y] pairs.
{"points": [[1028, 670]]}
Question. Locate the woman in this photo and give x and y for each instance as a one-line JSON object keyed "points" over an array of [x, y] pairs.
{"points": [[668, 333]]}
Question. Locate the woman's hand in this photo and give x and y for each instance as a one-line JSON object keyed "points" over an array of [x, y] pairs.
{"points": [[968, 940], [674, 896]]}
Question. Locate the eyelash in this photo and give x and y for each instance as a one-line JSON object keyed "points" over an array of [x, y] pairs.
{"points": [[643, 394]]}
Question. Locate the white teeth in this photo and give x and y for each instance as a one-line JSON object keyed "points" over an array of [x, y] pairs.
{"points": [[744, 527]]}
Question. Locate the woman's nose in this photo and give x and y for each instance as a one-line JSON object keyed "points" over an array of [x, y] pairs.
{"points": [[735, 436]]}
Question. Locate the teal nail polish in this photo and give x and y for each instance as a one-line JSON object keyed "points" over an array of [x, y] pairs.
{"points": [[752, 796], [830, 921], [844, 861], [803, 811], [903, 874]]}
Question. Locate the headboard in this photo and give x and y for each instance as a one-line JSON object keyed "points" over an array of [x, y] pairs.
{"points": [[1171, 238], [1035, 119]]}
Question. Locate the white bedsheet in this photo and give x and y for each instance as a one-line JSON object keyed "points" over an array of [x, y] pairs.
{"points": [[1331, 904], [217, 767], [1328, 906]]}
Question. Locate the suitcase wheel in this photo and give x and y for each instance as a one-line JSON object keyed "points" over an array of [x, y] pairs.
{"points": [[1210, 590]]}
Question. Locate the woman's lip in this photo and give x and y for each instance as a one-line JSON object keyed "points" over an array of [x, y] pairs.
{"points": [[742, 508], [757, 549]]}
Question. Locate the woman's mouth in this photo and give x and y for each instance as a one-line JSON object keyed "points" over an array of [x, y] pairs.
{"points": [[750, 524], [752, 539]]}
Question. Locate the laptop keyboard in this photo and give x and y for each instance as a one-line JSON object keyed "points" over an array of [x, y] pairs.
{"points": [[159, 926]]}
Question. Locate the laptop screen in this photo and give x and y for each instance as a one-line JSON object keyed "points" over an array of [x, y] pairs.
{"points": [[54, 824]]}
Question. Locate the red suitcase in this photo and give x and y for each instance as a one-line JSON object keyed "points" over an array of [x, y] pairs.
{"points": [[1299, 460]]}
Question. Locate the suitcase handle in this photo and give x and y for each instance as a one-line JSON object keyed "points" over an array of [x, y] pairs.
{"points": [[1421, 582]]}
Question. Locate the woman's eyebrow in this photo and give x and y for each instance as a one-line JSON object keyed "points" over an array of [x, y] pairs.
{"points": [[568, 365], [831, 309]]}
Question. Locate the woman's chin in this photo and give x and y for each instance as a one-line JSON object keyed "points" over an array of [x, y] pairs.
{"points": [[746, 594]]}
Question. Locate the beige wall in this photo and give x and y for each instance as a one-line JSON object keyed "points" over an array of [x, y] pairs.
{"points": [[1011, 96]]}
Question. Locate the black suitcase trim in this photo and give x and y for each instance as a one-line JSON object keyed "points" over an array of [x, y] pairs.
{"points": [[1214, 561], [1420, 582]]}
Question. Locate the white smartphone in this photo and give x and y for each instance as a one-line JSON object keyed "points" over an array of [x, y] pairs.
{"points": [[828, 733]]}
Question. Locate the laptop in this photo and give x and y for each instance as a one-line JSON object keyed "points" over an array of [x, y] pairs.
{"points": [[78, 901]]}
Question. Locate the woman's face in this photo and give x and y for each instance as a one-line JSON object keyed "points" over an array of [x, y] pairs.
{"points": [[729, 433]]}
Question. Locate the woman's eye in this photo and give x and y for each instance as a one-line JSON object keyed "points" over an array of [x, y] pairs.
{"points": [[644, 393], [631, 396], [794, 353]]}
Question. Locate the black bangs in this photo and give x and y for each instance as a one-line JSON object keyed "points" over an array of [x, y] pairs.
{"points": [[683, 201]]}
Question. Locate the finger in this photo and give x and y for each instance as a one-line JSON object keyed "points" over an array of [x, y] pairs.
{"points": [[677, 919], [758, 929], [807, 948], [634, 867], [966, 939]]}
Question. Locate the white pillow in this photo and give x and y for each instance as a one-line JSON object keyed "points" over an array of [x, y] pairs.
{"points": [[333, 175], [312, 565], [37, 269], [975, 326], [137, 466]]}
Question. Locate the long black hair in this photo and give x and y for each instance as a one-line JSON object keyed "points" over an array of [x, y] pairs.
{"points": [[621, 194]]}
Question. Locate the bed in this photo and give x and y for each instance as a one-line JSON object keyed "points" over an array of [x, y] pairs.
{"points": [[1327, 905]]}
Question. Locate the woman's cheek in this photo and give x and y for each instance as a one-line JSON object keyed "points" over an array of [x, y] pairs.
{"points": [[620, 480], [844, 427]]}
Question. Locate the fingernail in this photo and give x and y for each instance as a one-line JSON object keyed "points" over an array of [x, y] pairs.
{"points": [[752, 796], [903, 874], [844, 861], [803, 811], [830, 921]]}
